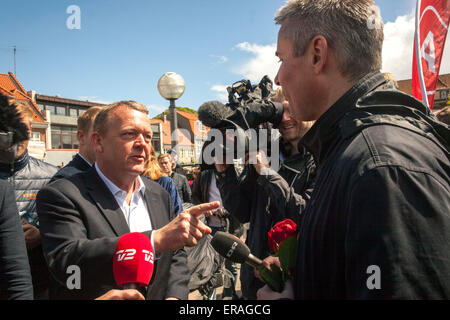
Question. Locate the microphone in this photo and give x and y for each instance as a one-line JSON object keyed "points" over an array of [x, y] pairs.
{"points": [[133, 261], [212, 113], [233, 249]]}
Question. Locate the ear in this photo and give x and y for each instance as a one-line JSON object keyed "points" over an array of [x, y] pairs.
{"points": [[80, 136], [319, 53], [97, 142]]}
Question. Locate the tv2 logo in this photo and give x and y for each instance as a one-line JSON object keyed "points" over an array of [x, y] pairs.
{"points": [[128, 254], [231, 251]]}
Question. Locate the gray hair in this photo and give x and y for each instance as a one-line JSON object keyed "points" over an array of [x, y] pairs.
{"points": [[347, 25]]}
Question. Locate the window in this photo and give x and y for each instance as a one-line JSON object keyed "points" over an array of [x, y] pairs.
{"points": [[200, 126], [64, 137], [73, 112], [52, 109], [35, 136], [41, 107], [61, 111]]}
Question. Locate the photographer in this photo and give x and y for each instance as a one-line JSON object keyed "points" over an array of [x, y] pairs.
{"points": [[265, 197]]}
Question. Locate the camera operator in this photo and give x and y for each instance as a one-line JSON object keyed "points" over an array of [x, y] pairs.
{"points": [[277, 196]]}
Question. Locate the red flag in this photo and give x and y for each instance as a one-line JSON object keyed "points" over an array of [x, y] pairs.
{"points": [[432, 22]]}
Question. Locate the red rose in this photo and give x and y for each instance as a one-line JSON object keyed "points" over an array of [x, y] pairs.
{"points": [[280, 232]]}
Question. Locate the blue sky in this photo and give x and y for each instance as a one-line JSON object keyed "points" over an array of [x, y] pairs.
{"points": [[124, 47]]}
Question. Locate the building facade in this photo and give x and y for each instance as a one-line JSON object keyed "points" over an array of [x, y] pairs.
{"points": [[62, 115], [442, 90]]}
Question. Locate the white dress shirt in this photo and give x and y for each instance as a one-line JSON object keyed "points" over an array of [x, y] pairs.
{"points": [[136, 213]]}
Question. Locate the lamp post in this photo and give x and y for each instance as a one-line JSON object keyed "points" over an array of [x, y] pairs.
{"points": [[171, 87]]}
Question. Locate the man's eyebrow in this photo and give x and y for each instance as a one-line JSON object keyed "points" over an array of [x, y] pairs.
{"points": [[277, 53]]}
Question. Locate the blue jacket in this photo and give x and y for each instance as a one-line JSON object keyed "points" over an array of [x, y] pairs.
{"points": [[169, 185]]}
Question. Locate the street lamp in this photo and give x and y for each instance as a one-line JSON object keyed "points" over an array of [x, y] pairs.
{"points": [[171, 87]]}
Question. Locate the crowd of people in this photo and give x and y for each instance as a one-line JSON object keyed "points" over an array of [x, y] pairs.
{"points": [[365, 175]]}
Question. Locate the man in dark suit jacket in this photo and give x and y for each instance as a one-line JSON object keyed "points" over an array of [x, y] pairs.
{"points": [[83, 217], [85, 157]]}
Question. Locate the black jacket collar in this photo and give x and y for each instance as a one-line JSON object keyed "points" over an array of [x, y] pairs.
{"points": [[17, 165], [324, 133]]}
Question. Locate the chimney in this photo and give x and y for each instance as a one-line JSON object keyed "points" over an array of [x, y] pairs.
{"points": [[32, 95]]}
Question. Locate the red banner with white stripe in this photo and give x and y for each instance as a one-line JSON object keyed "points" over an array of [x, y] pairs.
{"points": [[432, 22]]}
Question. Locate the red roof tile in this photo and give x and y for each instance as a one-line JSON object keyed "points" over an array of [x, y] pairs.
{"points": [[9, 85]]}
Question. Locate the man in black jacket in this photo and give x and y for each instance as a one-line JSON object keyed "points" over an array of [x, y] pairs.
{"points": [[28, 175], [85, 157], [377, 225], [184, 190], [15, 276]]}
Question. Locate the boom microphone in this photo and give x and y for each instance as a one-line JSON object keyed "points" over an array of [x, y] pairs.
{"points": [[212, 113], [133, 261], [233, 249]]}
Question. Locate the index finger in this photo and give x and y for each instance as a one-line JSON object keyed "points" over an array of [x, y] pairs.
{"points": [[200, 209]]}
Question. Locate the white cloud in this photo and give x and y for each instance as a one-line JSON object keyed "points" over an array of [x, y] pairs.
{"points": [[221, 90], [264, 62], [398, 48], [219, 59]]}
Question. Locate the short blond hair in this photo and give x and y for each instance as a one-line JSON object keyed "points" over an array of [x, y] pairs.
{"points": [[164, 155], [85, 121]]}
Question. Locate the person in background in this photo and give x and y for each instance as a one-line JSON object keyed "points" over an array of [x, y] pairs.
{"points": [[269, 196], [205, 190], [154, 172], [184, 190], [175, 165], [28, 175], [85, 157]]}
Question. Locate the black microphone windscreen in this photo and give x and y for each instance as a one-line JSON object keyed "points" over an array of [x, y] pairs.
{"points": [[230, 247], [11, 120], [211, 113]]}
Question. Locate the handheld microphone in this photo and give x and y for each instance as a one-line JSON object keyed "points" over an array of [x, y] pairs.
{"points": [[233, 249], [133, 261]]}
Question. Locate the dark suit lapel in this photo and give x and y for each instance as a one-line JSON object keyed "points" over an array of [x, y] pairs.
{"points": [[106, 202], [153, 206]]}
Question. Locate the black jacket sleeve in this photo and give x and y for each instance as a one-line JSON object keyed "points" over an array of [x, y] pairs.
{"points": [[289, 204], [236, 197], [15, 276], [187, 194]]}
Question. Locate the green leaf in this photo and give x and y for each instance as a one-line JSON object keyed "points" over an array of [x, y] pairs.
{"points": [[272, 278], [287, 253]]}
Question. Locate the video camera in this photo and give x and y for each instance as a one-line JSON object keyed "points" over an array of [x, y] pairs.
{"points": [[244, 123]]}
